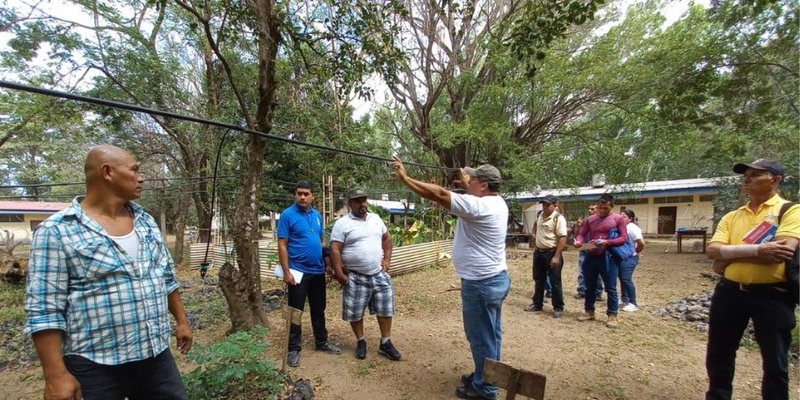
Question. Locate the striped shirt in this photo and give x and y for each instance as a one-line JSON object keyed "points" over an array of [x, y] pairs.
{"points": [[111, 307]]}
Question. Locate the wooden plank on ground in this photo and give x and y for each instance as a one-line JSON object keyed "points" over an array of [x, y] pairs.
{"points": [[527, 383]]}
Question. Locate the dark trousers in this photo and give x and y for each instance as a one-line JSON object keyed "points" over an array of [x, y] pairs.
{"points": [[312, 286], [542, 271], [772, 312], [152, 378]]}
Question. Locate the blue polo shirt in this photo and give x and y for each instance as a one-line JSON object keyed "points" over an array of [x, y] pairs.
{"points": [[303, 229]]}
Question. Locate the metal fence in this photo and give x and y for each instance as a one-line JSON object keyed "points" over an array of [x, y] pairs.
{"points": [[405, 259]]}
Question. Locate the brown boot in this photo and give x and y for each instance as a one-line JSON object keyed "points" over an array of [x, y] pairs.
{"points": [[611, 322], [587, 316]]}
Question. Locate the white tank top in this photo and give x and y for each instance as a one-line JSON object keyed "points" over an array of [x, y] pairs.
{"points": [[129, 243]]}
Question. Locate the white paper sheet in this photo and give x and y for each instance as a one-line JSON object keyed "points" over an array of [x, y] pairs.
{"points": [[298, 275]]}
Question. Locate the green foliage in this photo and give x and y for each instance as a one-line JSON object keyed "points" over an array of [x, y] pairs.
{"points": [[429, 224], [542, 22], [235, 368]]}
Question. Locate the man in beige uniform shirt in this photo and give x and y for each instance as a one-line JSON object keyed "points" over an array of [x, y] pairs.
{"points": [[550, 233]]}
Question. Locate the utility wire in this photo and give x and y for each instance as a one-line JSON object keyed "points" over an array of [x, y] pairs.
{"points": [[131, 107], [38, 185]]}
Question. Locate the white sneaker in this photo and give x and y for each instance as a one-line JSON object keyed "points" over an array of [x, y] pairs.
{"points": [[630, 308]]}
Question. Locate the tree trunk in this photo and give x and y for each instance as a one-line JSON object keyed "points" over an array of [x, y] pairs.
{"points": [[242, 286], [180, 226]]}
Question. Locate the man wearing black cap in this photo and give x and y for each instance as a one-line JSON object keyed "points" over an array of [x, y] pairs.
{"points": [[753, 283], [479, 256], [361, 250], [550, 233]]}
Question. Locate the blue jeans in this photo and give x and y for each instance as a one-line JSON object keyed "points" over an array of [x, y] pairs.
{"points": [[548, 287], [152, 378], [772, 311], [627, 289], [603, 266], [582, 281], [482, 304]]}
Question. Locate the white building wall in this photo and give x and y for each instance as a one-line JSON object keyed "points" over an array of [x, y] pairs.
{"points": [[694, 214]]}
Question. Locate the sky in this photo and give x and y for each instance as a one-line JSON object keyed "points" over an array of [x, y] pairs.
{"points": [[672, 11]]}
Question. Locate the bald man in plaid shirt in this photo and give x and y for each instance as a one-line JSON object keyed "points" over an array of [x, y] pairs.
{"points": [[100, 285]]}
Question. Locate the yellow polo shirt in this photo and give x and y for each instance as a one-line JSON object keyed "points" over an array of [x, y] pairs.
{"points": [[734, 226]]}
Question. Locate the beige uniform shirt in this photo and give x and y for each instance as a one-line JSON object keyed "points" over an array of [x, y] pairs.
{"points": [[549, 230]]}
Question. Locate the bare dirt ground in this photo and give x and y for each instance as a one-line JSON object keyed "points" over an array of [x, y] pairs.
{"points": [[647, 357]]}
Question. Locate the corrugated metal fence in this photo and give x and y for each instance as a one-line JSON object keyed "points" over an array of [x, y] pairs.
{"points": [[405, 259]]}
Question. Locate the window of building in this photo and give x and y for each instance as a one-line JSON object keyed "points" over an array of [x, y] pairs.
{"points": [[707, 197], [673, 199], [12, 218], [643, 200]]}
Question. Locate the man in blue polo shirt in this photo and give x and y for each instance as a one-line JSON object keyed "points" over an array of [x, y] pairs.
{"points": [[300, 243]]}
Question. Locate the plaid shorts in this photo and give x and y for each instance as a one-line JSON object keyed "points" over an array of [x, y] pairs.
{"points": [[362, 290]]}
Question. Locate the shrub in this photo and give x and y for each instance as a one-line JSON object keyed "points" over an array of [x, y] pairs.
{"points": [[235, 368]]}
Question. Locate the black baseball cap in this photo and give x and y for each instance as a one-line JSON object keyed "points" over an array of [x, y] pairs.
{"points": [[549, 199], [765, 165], [356, 193]]}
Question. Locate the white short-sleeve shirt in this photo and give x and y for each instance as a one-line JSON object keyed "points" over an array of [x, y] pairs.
{"points": [[634, 232], [361, 240], [479, 248]]}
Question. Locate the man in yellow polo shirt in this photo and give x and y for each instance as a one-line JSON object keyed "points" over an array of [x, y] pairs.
{"points": [[753, 284]]}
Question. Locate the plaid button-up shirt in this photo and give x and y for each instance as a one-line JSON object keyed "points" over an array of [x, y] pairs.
{"points": [[111, 307]]}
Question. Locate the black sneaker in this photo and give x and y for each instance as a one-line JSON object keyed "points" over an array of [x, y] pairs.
{"points": [[467, 392], [361, 349], [387, 350], [294, 358], [327, 347], [580, 296], [533, 308], [548, 294]]}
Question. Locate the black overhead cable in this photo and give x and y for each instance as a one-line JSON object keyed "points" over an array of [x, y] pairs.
{"points": [[131, 107], [37, 185]]}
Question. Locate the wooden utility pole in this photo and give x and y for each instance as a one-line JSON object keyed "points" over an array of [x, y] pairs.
{"points": [[328, 201], [292, 316]]}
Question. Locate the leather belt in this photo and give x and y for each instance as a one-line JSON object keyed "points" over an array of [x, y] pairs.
{"points": [[753, 287]]}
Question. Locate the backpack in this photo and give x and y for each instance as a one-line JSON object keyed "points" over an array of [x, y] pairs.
{"points": [[624, 251], [792, 268]]}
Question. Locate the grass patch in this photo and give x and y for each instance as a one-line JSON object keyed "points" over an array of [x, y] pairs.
{"points": [[12, 297], [615, 392], [364, 368], [207, 304]]}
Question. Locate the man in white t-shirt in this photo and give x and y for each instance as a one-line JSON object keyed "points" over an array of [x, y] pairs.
{"points": [[361, 250], [479, 256]]}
